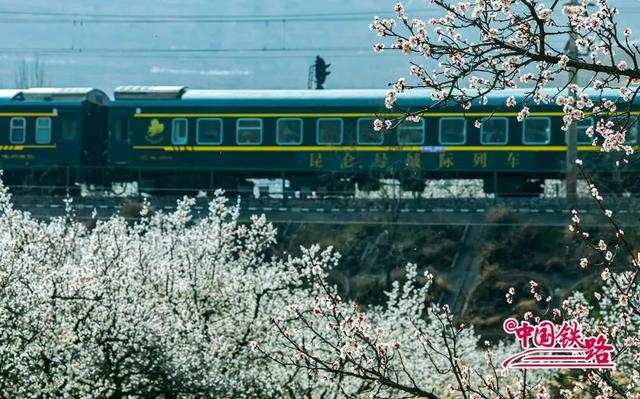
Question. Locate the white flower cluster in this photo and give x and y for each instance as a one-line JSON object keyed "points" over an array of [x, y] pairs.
{"points": [[501, 44], [163, 308], [406, 347], [167, 307]]}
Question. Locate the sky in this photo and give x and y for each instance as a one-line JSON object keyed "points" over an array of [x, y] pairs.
{"points": [[216, 44]]}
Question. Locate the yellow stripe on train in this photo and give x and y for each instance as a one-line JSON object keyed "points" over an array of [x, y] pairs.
{"points": [[361, 148], [22, 147]]}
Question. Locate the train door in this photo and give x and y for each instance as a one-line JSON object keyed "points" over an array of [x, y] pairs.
{"points": [[70, 142], [120, 137]]}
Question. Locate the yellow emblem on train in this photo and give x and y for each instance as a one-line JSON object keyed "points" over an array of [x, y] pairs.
{"points": [[154, 131]]}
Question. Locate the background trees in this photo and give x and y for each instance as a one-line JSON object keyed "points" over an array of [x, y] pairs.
{"points": [[30, 74]]}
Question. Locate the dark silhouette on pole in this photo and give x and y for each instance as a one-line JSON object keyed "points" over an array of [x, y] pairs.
{"points": [[321, 72]]}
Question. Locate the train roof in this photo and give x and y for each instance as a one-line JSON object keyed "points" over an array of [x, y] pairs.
{"points": [[141, 96], [310, 98], [8, 94], [149, 92], [179, 95], [67, 93], [62, 95], [182, 95]]}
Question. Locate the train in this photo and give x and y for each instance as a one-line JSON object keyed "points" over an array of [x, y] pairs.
{"points": [[171, 139]]}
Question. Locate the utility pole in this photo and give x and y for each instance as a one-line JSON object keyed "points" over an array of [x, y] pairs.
{"points": [[572, 133]]}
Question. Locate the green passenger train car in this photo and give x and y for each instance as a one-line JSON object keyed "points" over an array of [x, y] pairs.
{"points": [[51, 136], [174, 138]]}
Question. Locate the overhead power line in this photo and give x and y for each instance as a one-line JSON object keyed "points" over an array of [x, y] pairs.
{"points": [[176, 51], [233, 16], [33, 16], [386, 12], [335, 52], [177, 21]]}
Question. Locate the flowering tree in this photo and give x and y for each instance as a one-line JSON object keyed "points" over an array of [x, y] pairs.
{"points": [[413, 348], [162, 308], [476, 49], [613, 309], [406, 349]]}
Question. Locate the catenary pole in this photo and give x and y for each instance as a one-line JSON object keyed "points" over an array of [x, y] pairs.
{"points": [[572, 132]]}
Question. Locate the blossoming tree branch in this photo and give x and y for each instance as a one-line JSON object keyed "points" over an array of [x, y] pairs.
{"points": [[414, 347], [475, 49]]}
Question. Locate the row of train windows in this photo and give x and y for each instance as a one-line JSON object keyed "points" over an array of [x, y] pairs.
{"points": [[329, 131], [18, 130]]}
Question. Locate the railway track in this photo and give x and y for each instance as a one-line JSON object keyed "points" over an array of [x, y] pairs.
{"points": [[454, 211]]}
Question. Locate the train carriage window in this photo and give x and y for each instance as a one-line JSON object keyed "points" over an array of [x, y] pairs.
{"points": [[289, 131], [494, 131], [43, 130], [209, 131], [249, 131], [453, 130], [411, 132], [329, 131], [366, 133], [581, 127], [536, 130], [179, 131], [18, 130]]}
